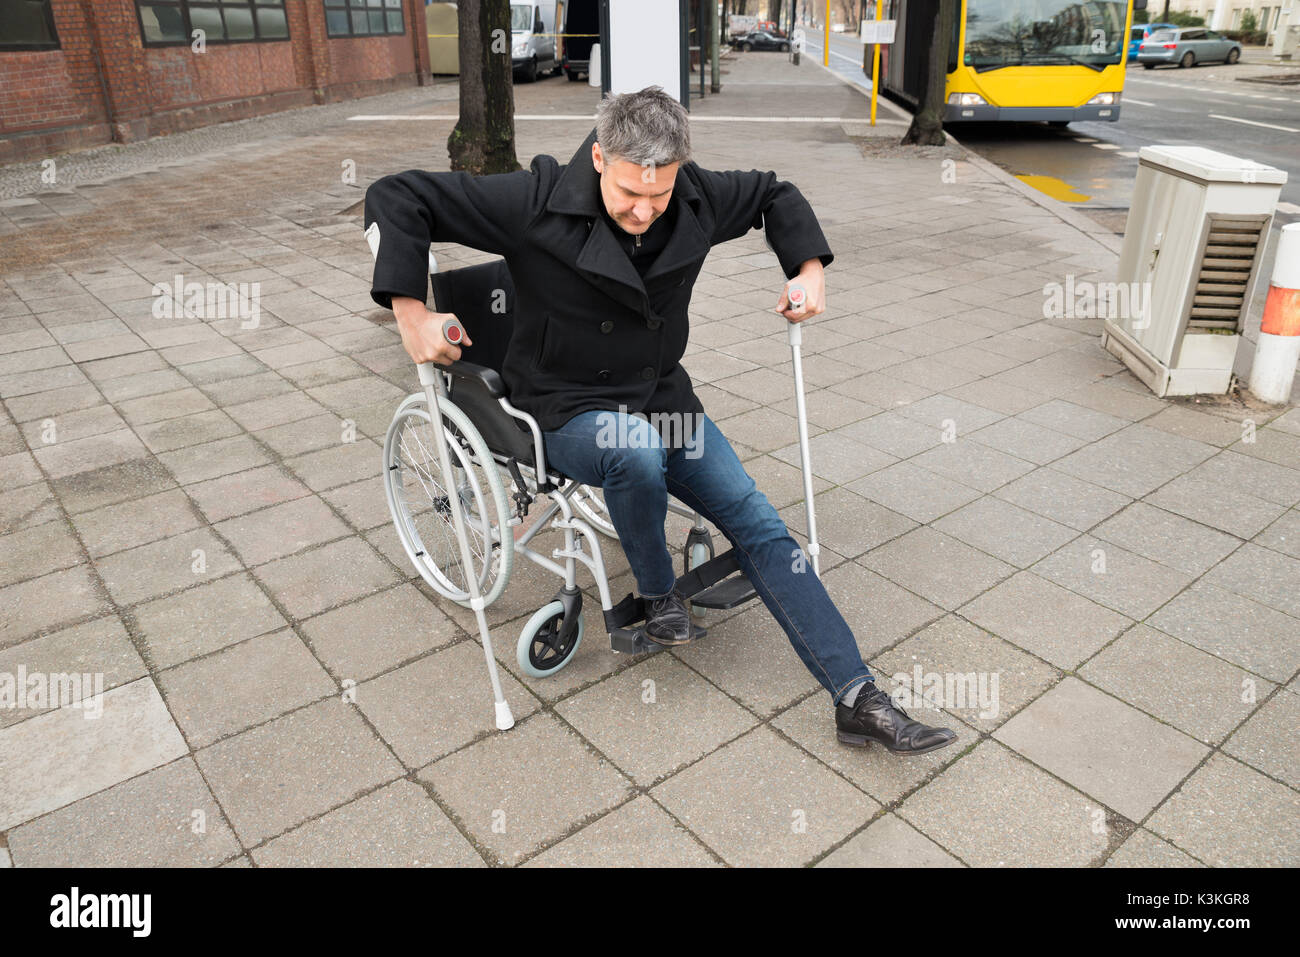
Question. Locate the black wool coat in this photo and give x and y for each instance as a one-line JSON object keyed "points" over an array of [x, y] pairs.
{"points": [[589, 333]]}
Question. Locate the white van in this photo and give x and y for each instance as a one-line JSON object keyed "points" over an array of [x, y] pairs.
{"points": [[532, 39]]}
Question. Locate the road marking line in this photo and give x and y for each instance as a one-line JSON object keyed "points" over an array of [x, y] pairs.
{"points": [[1127, 154], [1288, 208], [1084, 139], [1271, 126], [1105, 146], [1129, 99]]}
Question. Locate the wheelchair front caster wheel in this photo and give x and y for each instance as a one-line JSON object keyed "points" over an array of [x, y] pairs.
{"points": [[545, 645]]}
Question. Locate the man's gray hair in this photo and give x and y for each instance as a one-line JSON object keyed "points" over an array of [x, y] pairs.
{"points": [[647, 127]]}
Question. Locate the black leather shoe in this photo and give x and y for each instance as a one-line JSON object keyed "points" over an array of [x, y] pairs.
{"points": [[668, 622], [875, 717]]}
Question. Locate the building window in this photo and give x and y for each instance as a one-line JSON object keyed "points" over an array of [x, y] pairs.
{"points": [[363, 18], [173, 22], [27, 25]]}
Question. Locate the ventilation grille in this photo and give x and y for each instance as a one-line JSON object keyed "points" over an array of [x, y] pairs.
{"points": [[1223, 279]]}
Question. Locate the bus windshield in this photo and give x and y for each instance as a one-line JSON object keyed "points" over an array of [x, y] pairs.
{"points": [[1002, 33]]}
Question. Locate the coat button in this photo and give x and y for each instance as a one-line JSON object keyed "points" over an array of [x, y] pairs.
{"points": [[647, 373], [607, 327], [603, 375], [654, 323]]}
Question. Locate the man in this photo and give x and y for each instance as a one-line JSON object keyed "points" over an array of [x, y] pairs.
{"points": [[603, 253]]}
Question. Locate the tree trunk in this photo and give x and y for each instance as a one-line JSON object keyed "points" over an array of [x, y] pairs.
{"points": [[927, 124], [483, 140]]}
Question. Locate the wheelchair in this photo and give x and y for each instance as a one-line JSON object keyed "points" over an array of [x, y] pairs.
{"points": [[498, 474]]}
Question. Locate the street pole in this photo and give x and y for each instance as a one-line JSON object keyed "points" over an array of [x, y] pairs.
{"points": [[1278, 349], [826, 44], [875, 67], [715, 81]]}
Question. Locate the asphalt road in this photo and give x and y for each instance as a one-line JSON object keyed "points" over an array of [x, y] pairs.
{"points": [[1092, 165]]}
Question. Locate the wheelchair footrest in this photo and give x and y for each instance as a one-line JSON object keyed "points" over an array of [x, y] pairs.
{"points": [[726, 594], [632, 641]]}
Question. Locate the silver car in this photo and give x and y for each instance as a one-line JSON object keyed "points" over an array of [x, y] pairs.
{"points": [[1187, 46]]}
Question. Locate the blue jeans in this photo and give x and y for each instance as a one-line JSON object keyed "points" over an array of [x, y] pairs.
{"points": [[627, 457]]}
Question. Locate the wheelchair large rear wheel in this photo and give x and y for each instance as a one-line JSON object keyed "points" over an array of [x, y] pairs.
{"points": [[418, 499], [590, 504]]}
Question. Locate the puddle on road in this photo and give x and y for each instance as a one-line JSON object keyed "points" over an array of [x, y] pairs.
{"points": [[1055, 188]]}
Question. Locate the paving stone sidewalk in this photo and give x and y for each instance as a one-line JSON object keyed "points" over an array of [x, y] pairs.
{"points": [[193, 510]]}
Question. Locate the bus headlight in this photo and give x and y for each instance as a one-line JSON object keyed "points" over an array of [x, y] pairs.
{"points": [[521, 49], [1104, 99], [967, 99]]}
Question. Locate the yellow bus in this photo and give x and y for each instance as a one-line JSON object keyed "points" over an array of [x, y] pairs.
{"points": [[1053, 61]]}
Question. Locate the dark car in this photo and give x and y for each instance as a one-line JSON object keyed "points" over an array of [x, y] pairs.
{"points": [[761, 40]]}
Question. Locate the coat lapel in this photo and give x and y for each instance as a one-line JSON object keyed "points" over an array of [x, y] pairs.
{"points": [[577, 192]]}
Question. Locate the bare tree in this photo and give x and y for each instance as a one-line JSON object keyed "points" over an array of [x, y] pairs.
{"points": [[483, 140], [927, 124]]}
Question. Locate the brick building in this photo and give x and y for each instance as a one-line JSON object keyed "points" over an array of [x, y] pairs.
{"points": [[76, 73]]}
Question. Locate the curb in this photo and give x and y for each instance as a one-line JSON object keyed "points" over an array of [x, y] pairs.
{"points": [[1093, 230]]}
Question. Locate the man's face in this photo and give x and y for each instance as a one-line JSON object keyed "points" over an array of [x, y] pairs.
{"points": [[634, 196]]}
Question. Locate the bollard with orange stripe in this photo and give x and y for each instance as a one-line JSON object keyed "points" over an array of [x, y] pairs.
{"points": [[1278, 349]]}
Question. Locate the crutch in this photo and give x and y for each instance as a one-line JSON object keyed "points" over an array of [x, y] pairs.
{"points": [[454, 333], [794, 331]]}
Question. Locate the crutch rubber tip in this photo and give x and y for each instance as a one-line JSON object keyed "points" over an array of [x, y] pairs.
{"points": [[505, 720]]}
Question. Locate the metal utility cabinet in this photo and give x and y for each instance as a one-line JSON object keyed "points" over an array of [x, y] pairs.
{"points": [[1196, 230]]}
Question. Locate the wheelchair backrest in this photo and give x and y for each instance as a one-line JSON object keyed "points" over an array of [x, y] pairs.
{"points": [[483, 299]]}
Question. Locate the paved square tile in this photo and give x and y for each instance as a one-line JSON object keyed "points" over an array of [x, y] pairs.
{"points": [[164, 818], [1005, 531], [847, 522], [115, 528], [295, 767], [889, 842], [1045, 619], [1136, 460], [284, 529], [1144, 849], [916, 492], [492, 787], [879, 612], [1063, 498], [57, 758], [954, 666], [760, 801], [243, 685], [1167, 538], [1261, 574], [203, 619], [1103, 747], [1237, 629], [1229, 815], [398, 825], [637, 834], [1197, 693], [29, 607], [99, 652], [655, 717], [366, 637], [1283, 535], [1112, 576], [182, 561], [937, 567], [995, 809], [245, 491], [311, 582], [421, 727], [750, 658], [1268, 742]]}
